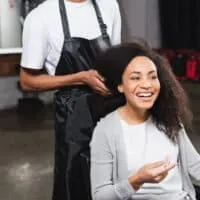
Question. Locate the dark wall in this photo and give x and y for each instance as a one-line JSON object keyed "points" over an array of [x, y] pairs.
{"points": [[180, 23]]}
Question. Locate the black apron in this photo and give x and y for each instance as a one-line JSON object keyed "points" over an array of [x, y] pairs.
{"points": [[73, 120]]}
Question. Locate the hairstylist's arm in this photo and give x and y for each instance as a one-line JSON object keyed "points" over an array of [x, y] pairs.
{"points": [[36, 45], [32, 80]]}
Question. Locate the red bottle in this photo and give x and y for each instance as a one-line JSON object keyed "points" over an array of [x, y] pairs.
{"points": [[191, 68]]}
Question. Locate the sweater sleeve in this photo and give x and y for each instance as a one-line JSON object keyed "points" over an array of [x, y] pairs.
{"points": [[193, 159], [102, 161]]}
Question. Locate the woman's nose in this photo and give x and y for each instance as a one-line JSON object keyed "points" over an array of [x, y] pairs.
{"points": [[145, 84]]}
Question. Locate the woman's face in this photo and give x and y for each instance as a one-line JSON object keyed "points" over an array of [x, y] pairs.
{"points": [[140, 83]]}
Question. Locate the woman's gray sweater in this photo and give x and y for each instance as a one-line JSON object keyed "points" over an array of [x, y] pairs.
{"points": [[105, 184]]}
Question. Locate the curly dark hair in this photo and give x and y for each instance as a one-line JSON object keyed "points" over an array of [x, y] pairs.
{"points": [[170, 111]]}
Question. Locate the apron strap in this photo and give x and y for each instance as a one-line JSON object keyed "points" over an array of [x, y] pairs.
{"points": [[64, 20], [65, 23], [102, 25]]}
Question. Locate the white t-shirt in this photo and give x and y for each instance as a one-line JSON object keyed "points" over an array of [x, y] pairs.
{"points": [[43, 33], [145, 144]]}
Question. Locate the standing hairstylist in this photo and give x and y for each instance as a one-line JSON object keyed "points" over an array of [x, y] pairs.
{"points": [[64, 36]]}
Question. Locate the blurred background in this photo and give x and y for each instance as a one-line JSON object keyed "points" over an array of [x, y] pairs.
{"points": [[27, 119]]}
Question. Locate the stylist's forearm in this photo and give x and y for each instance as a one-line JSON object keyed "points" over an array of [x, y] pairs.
{"points": [[47, 82]]}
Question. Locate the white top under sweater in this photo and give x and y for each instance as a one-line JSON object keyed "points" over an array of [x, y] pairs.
{"points": [[145, 144]]}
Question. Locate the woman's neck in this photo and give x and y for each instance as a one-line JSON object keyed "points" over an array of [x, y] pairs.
{"points": [[133, 116]]}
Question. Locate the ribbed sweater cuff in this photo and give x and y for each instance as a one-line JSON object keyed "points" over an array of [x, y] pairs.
{"points": [[124, 190]]}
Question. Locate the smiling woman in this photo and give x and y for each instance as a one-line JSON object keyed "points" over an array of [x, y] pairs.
{"points": [[141, 149], [131, 64], [140, 83]]}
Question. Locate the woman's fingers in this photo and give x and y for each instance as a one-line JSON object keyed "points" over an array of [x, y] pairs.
{"points": [[159, 178], [154, 172], [163, 169], [170, 166], [163, 173], [156, 164]]}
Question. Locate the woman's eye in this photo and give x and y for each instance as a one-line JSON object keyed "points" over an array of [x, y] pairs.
{"points": [[154, 77], [135, 78]]}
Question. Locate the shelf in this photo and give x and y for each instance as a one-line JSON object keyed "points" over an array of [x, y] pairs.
{"points": [[9, 51]]}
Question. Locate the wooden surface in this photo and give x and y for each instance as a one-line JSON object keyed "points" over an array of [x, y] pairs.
{"points": [[9, 64]]}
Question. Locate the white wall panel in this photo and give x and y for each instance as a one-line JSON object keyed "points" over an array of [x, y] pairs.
{"points": [[10, 26], [140, 19]]}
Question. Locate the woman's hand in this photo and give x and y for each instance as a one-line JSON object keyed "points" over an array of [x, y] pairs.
{"points": [[151, 173], [93, 79]]}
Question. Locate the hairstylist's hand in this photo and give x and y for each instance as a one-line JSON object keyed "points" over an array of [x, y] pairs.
{"points": [[151, 173], [93, 79]]}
